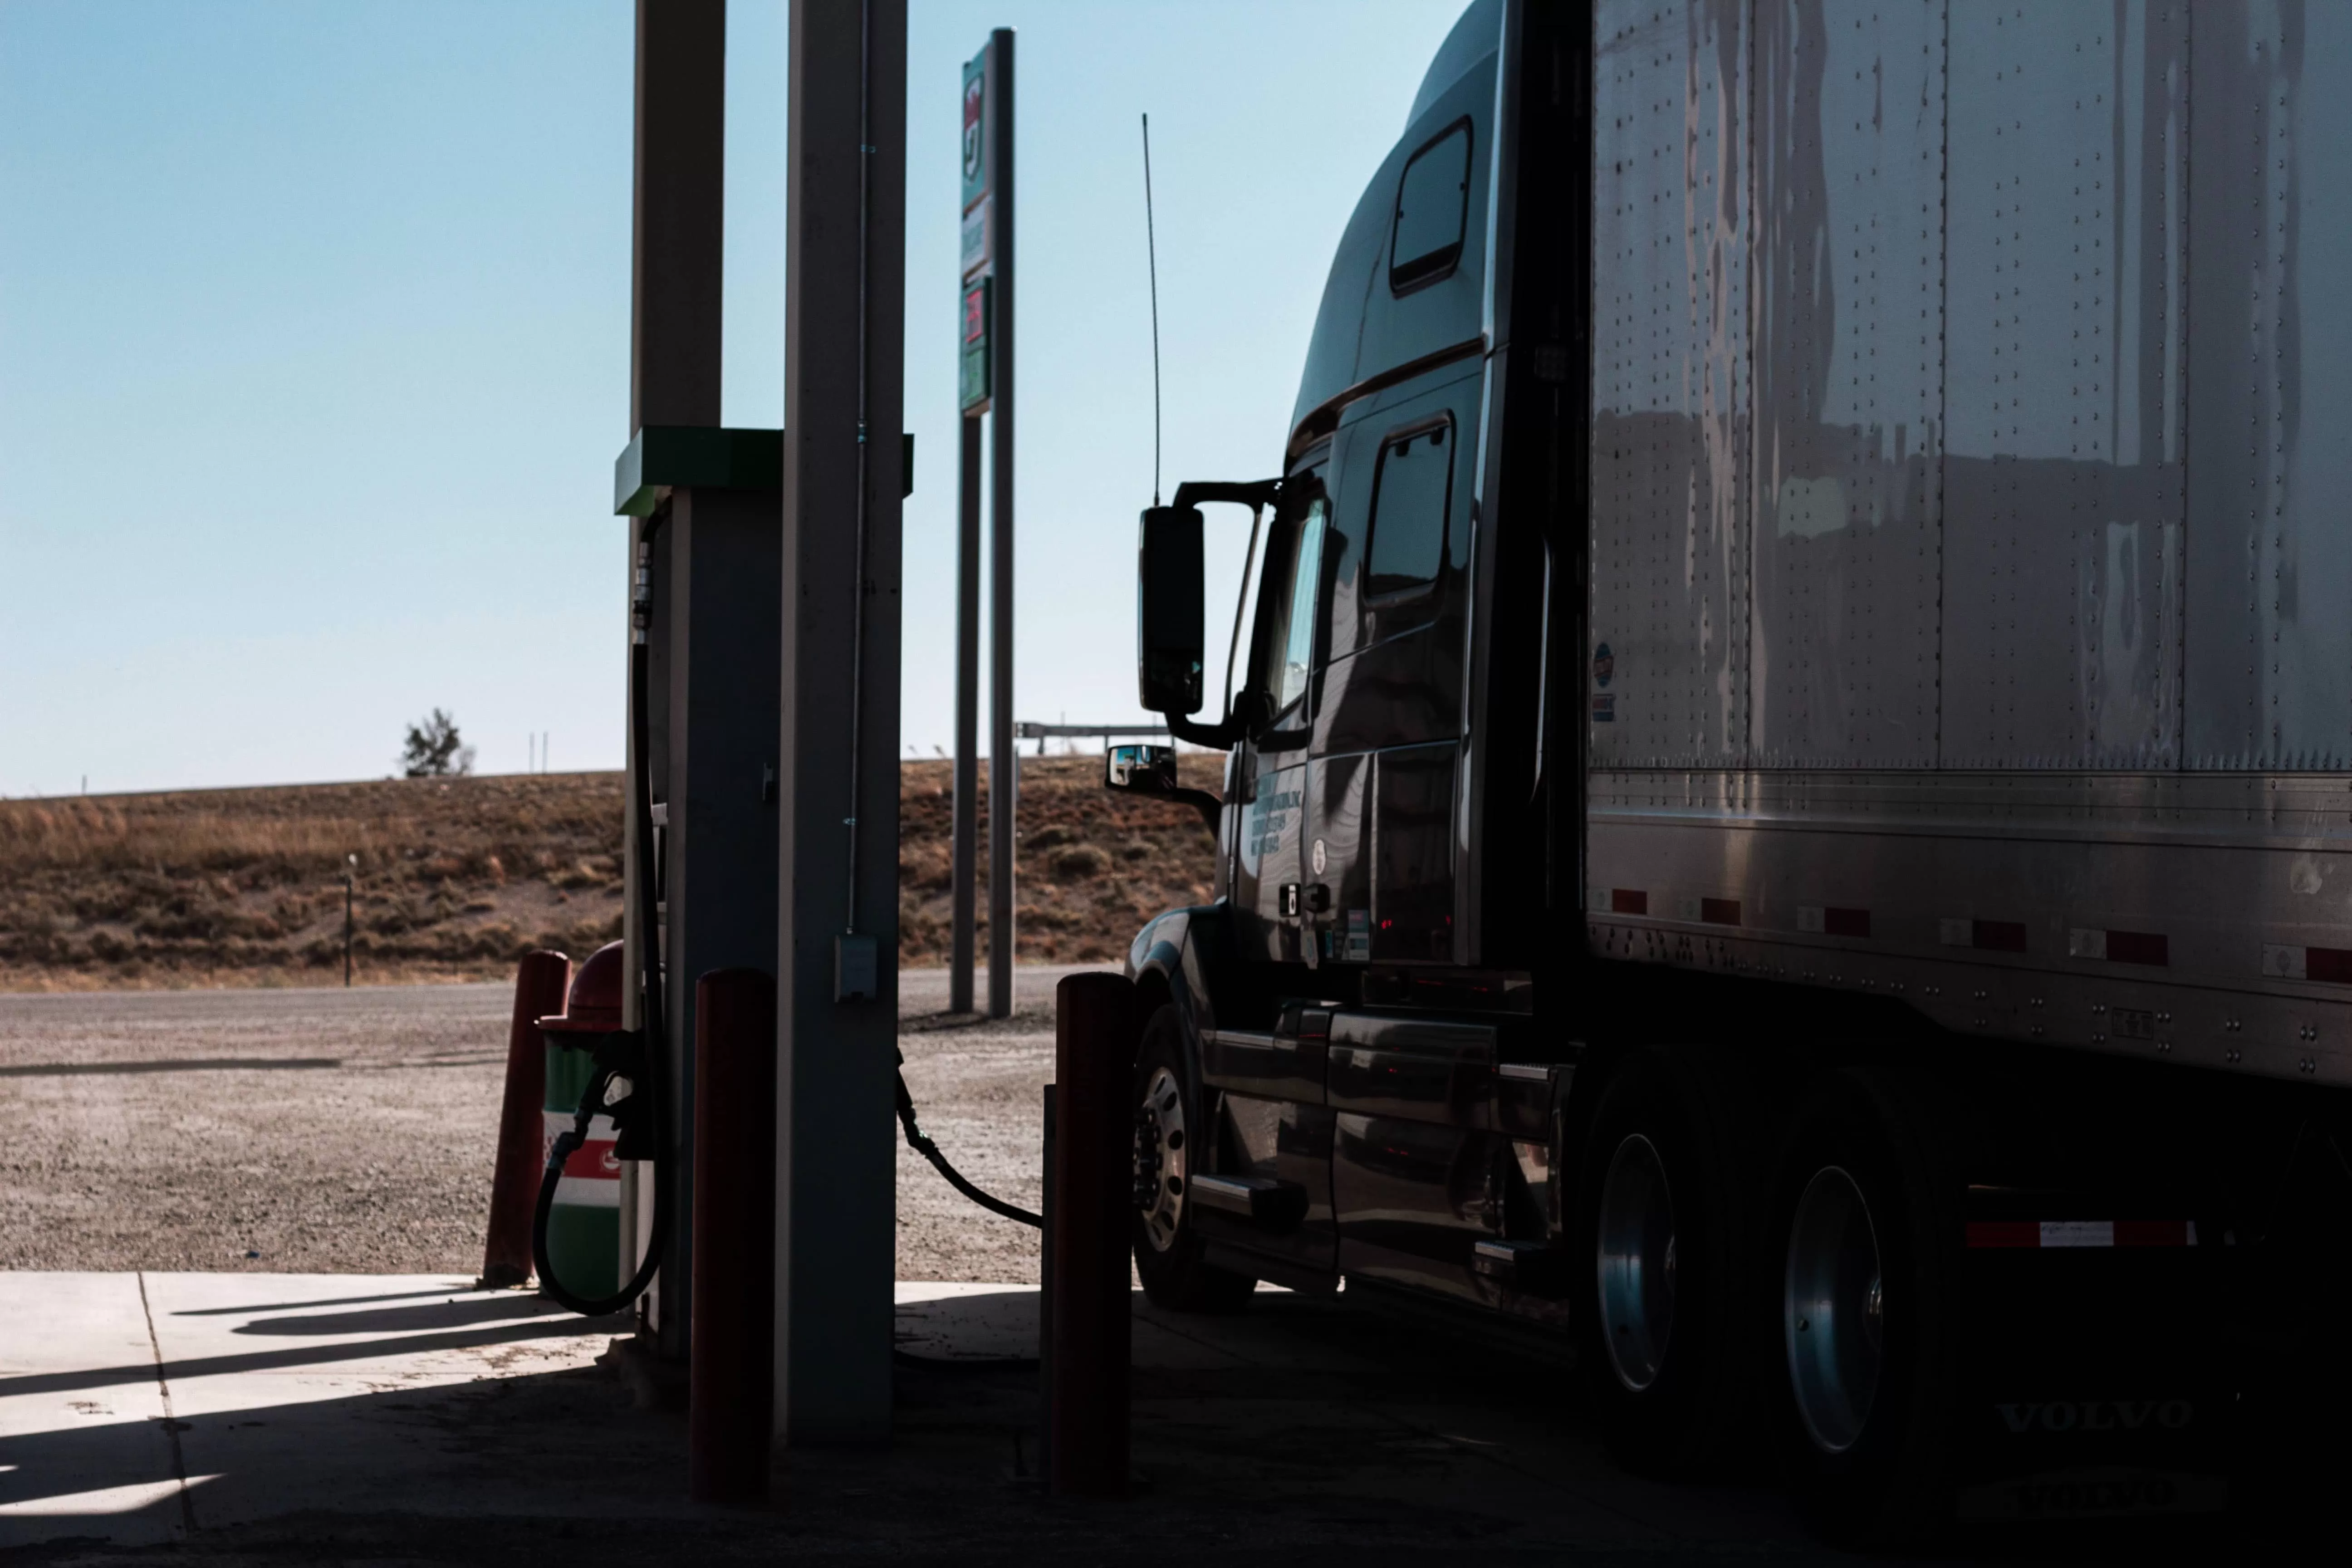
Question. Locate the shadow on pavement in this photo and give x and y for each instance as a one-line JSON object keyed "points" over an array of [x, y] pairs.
{"points": [[1304, 1431], [184, 1063], [454, 1290], [307, 1355], [467, 1312]]}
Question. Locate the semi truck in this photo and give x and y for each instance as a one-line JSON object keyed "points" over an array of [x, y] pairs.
{"points": [[1788, 805]]}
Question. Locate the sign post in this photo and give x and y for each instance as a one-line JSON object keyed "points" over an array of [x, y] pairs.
{"points": [[984, 386]]}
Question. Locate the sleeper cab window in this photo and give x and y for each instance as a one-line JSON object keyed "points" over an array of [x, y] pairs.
{"points": [[1411, 494], [1433, 211]]}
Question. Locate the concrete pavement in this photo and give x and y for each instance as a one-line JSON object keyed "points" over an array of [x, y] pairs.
{"points": [[277, 1419]]}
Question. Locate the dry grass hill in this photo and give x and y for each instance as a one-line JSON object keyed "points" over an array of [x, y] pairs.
{"points": [[458, 876]]}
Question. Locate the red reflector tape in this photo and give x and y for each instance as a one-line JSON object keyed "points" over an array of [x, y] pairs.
{"points": [[1629, 900], [2058, 1233], [1998, 936]]}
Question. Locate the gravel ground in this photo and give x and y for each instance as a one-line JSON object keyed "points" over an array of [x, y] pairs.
{"points": [[353, 1132]]}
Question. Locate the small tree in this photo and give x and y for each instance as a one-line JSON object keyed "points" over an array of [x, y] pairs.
{"points": [[434, 751]]}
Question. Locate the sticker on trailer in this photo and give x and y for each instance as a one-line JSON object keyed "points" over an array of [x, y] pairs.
{"points": [[2328, 965], [1821, 920], [2150, 948], [1360, 937]]}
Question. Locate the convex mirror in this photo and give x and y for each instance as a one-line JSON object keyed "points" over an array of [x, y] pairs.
{"points": [[1151, 769]]}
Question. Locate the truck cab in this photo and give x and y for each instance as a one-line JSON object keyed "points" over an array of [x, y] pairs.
{"points": [[1381, 724]]}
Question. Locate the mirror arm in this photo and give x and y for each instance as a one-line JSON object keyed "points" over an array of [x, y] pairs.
{"points": [[1212, 810], [1252, 493], [1218, 737]]}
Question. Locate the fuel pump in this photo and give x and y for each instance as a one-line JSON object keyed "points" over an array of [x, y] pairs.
{"points": [[630, 1066]]}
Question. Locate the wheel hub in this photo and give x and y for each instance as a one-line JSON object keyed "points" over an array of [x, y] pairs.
{"points": [[1159, 1159], [1833, 1309], [1635, 1262]]}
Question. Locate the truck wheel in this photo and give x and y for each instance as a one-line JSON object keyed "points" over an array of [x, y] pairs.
{"points": [[1167, 1247], [1668, 1237], [1869, 1220]]}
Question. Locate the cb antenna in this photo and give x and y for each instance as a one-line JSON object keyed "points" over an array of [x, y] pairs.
{"points": [[1151, 251]]}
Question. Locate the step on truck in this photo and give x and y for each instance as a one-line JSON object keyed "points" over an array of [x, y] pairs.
{"points": [[1787, 810]]}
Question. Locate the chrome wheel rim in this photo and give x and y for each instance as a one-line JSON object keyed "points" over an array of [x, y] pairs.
{"points": [[1833, 1311], [1159, 1159], [1634, 1251]]}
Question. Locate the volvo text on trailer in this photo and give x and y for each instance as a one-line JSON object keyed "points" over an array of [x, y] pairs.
{"points": [[1790, 766]]}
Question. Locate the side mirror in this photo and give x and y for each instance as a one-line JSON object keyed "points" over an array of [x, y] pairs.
{"points": [[1169, 611], [1151, 769]]}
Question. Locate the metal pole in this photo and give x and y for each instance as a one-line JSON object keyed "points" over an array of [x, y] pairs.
{"points": [[963, 897], [835, 1166], [1003, 787], [351, 866]]}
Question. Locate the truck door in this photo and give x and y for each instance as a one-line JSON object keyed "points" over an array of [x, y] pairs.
{"points": [[1386, 708], [1417, 1175], [1273, 771]]}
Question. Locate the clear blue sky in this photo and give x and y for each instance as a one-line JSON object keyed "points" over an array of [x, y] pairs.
{"points": [[314, 349]]}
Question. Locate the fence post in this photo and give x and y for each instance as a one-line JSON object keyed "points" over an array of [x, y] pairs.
{"points": [[1095, 1029], [541, 980]]}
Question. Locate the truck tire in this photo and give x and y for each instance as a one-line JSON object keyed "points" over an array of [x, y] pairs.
{"points": [[1869, 1225], [1168, 1248], [1666, 1233]]}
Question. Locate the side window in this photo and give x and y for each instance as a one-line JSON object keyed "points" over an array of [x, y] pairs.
{"points": [[1433, 211], [1410, 495], [1295, 627]]}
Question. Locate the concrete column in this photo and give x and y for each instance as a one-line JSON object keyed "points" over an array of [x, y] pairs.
{"points": [[844, 334], [677, 239], [724, 551], [679, 223]]}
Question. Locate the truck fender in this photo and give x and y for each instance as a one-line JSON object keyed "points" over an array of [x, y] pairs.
{"points": [[1169, 962]]}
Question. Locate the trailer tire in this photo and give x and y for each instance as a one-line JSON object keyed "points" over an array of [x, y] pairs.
{"points": [[1168, 1251], [1666, 1191], [1868, 1226]]}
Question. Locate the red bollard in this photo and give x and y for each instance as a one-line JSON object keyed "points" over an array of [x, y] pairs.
{"points": [[1095, 1023], [731, 1350], [541, 981]]}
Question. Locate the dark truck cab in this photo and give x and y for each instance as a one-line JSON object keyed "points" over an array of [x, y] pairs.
{"points": [[1726, 865], [1360, 1001]]}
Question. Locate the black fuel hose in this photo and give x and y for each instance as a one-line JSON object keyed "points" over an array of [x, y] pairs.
{"points": [[549, 1285], [654, 1074], [931, 1150]]}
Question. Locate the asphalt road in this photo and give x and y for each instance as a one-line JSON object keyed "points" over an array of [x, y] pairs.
{"points": [[353, 1132]]}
